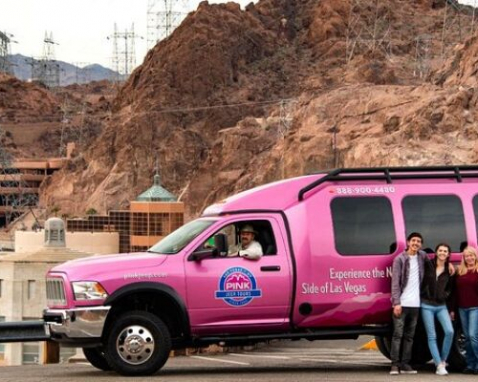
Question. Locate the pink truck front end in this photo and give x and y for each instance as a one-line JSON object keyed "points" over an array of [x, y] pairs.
{"points": [[328, 242]]}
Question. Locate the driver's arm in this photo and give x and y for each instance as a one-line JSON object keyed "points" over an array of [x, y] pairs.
{"points": [[253, 252]]}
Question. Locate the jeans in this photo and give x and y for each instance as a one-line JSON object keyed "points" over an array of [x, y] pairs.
{"points": [[429, 313], [469, 324], [403, 332]]}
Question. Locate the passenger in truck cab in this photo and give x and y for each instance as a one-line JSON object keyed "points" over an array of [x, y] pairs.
{"points": [[248, 247]]}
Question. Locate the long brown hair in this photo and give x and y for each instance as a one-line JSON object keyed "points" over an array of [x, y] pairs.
{"points": [[462, 268]]}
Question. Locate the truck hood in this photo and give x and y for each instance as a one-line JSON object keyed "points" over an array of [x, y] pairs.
{"points": [[89, 268]]}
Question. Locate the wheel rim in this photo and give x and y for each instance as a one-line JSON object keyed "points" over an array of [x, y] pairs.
{"points": [[135, 345]]}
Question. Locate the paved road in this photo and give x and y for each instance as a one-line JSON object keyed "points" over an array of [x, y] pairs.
{"points": [[294, 361]]}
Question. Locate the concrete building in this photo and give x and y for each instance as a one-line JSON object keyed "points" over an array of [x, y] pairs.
{"points": [[23, 288]]}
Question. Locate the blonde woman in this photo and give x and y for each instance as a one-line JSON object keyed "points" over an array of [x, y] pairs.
{"points": [[467, 301]]}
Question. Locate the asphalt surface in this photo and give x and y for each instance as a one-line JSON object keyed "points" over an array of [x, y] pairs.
{"points": [[277, 362]]}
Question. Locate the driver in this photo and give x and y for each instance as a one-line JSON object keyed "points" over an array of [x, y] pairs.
{"points": [[248, 247]]}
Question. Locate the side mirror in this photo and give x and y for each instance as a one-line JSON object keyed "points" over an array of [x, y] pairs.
{"points": [[220, 243], [202, 254]]}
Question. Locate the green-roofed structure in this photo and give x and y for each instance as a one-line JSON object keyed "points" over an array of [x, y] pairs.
{"points": [[156, 193], [154, 214]]}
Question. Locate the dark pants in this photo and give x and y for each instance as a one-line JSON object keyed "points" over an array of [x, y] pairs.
{"points": [[403, 333]]}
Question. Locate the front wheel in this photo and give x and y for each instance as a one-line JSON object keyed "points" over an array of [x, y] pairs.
{"points": [[138, 343], [96, 357]]}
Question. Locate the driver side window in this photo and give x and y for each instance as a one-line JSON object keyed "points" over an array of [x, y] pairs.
{"points": [[231, 234], [263, 235]]}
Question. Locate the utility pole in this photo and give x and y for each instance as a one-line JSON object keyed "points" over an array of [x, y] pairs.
{"points": [[163, 17]]}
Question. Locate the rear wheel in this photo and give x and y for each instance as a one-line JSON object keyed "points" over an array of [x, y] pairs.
{"points": [[138, 343], [96, 356], [420, 352], [456, 359]]}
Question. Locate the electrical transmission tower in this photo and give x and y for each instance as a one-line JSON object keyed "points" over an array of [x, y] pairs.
{"points": [[164, 16], [423, 56], [368, 28], [5, 65], [82, 72], [124, 52], [47, 70], [286, 111], [16, 196], [458, 23]]}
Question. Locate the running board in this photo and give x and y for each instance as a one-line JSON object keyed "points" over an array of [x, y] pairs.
{"points": [[326, 334]]}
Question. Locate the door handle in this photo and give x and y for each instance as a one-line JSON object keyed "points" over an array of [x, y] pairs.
{"points": [[271, 268]]}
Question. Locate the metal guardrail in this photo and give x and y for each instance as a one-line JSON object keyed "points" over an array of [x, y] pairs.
{"points": [[23, 331]]}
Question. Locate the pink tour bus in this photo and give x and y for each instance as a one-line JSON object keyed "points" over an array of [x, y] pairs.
{"points": [[328, 244]]}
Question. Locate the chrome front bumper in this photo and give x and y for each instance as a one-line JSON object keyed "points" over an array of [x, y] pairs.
{"points": [[76, 323]]}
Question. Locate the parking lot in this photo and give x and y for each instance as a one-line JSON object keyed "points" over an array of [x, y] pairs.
{"points": [[291, 361]]}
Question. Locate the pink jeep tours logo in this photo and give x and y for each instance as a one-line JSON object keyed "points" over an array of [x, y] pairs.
{"points": [[237, 287]]}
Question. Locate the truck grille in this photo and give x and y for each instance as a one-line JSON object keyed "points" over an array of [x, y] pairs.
{"points": [[55, 292]]}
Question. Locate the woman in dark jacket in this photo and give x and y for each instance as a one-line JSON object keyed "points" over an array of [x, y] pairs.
{"points": [[435, 289]]}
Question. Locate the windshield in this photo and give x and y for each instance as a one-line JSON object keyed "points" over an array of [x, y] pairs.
{"points": [[177, 240]]}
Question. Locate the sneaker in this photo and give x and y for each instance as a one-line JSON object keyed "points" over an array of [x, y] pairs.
{"points": [[394, 370], [441, 370], [407, 369]]}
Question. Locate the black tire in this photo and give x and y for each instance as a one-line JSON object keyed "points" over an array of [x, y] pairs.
{"points": [[456, 359], [420, 352], [138, 343], [96, 357], [383, 345]]}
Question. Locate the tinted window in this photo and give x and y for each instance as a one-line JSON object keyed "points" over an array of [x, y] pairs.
{"points": [[439, 218], [363, 226]]}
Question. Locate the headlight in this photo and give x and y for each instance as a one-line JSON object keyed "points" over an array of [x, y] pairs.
{"points": [[88, 290]]}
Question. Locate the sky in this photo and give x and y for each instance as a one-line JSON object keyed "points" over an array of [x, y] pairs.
{"points": [[80, 27]]}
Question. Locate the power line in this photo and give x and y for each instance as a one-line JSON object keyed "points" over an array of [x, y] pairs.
{"points": [[201, 108]]}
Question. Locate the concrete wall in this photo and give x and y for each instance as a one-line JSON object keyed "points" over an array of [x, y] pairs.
{"points": [[92, 242], [16, 303]]}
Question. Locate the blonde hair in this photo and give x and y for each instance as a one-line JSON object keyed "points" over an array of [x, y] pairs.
{"points": [[462, 268]]}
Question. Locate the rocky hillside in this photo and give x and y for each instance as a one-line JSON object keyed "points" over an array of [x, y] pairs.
{"points": [[32, 117], [236, 98]]}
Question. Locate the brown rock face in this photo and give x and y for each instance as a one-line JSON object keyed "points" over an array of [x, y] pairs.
{"points": [[206, 102], [21, 101]]}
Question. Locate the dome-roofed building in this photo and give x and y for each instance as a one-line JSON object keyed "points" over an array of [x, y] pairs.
{"points": [[154, 214]]}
